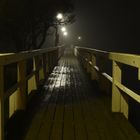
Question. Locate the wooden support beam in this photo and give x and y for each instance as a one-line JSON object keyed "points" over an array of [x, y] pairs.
{"points": [[93, 71], [116, 93], [47, 64], [1, 103], [119, 101], [44, 65], [22, 96], [36, 69], [138, 73], [88, 56]]}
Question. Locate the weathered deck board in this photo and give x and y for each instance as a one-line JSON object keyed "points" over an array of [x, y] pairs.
{"points": [[73, 110]]}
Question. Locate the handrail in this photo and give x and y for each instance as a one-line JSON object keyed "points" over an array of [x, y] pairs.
{"points": [[94, 60], [43, 62], [8, 58]]}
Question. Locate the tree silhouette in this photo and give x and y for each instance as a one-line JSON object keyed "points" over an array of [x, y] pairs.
{"points": [[27, 21]]}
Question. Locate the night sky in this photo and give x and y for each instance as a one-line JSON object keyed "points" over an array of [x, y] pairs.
{"points": [[107, 25]]}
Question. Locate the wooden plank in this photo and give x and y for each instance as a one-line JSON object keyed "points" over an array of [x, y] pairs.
{"points": [[43, 118], [36, 68], [22, 96], [35, 126], [127, 91], [128, 59], [68, 113], [13, 58], [10, 91], [44, 65], [138, 73], [68, 130], [126, 128], [56, 133], [69, 127], [80, 131], [116, 94], [47, 123], [1, 103], [45, 130]]}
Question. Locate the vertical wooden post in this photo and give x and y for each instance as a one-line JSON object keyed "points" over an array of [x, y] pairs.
{"points": [[36, 69], [116, 93], [44, 65], [50, 61], [93, 72], [53, 59], [84, 55], [119, 101], [87, 63], [22, 96], [1, 103], [47, 64], [56, 58], [138, 73]]}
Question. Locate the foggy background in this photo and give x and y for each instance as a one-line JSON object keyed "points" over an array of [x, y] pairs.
{"points": [[107, 25]]}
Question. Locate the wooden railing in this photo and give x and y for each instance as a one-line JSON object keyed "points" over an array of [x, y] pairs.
{"points": [[28, 77], [95, 60]]}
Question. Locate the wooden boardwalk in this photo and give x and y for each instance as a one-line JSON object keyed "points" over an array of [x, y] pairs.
{"points": [[73, 110]]}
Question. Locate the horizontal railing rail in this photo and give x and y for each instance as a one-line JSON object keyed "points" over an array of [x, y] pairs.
{"points": [[95, 60], [42, 62]]}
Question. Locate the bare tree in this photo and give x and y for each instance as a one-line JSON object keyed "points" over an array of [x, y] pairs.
{"points": [[28, 21]]}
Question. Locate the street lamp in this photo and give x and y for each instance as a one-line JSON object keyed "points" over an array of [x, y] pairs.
{"points": [[79, 37], [65, 33], [59, 16], [63, 29]]}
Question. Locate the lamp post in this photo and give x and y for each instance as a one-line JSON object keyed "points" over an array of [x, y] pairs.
{"points": [[59, 17]]}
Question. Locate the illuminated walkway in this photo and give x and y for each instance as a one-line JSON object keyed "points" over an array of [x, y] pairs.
{"points": [[73, 109]]}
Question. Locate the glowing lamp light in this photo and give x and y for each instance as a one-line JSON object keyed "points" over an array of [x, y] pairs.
{"points": [[79, 37], [59, 16], [63, 29], [65, 33]]}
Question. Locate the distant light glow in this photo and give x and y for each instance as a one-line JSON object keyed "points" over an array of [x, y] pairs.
{"points": [[59, 16], [63, 29], [79, 37], [65, 33]]}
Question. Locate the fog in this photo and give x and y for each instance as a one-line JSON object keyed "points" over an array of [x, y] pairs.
{"points": [[106, 25]]}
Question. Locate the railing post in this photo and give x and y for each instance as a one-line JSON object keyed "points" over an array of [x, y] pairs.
{"points": [[47, 64], [1, 103], [36, 69], [93, 71], [22, 96], [44, 65], [56, 56], [119, 101], [116, 93], [50, 61], [88, 67]]}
